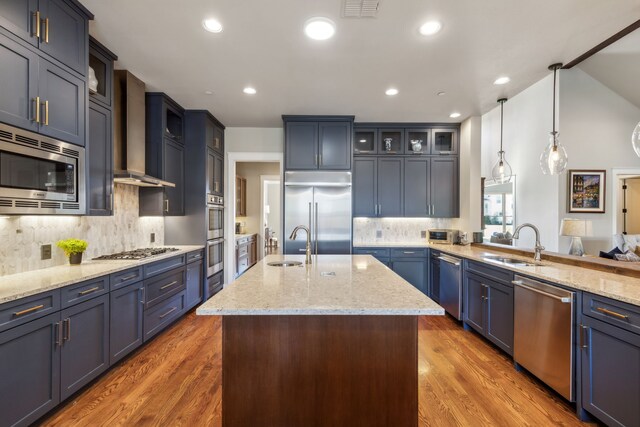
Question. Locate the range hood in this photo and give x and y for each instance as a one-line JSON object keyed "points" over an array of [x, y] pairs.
{"points": [[129, 133]]}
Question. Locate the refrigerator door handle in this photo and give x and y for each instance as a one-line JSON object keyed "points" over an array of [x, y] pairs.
{"points": [[315, 232]]}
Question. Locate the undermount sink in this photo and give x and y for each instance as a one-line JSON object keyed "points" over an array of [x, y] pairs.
{"points": [[284, 263], [508, 261]]}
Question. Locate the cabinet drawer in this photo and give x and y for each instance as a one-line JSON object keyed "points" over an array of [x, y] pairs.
{"points": [[124, 278], [72, 295], [242, 241], [164, 265], [163, 314], [376, 252], [243, 250], [616, 313], [491, 272], [195, 256], [23, 310], [243, 264], [214, 284], [160, 288], [409, 252]]}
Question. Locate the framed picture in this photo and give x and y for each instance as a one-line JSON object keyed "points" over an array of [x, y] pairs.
{"points": [[587, 191]]}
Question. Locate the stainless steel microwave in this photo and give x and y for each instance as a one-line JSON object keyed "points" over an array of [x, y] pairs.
{"points": [[444, 236], [40, 175]]}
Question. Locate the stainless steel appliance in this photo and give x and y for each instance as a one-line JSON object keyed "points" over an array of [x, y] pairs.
{"points": [[451, 285], [444, 236], [321, 201], [40, 175], [215, 217], [137, 253], [215, 256], [543, 333]]}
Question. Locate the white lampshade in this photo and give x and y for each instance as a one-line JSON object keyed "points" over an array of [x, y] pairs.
{"points": [[576, 227]]}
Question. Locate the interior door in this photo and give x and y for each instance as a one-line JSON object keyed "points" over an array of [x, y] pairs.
{"points": [[297, 211], [332, 220]]}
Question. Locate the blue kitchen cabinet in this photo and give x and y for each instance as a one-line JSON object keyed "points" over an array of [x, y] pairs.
{"points": [[65, 33], [609, 345], [100, 161], [19, 17], [365, 198], [318, 142], [417, 197], [195, 284], [473, 302], [85, 344], [19, 88], [174, 172], [125, 332], [390, 182], [413, 270], [444, 187], [30, 370], [434, 275]]}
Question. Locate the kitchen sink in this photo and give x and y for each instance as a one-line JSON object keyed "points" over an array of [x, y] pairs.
{"points": [[284, 263], [508, 261]]}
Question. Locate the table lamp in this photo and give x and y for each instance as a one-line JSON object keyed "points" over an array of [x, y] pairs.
{"points": [[576, 228]]}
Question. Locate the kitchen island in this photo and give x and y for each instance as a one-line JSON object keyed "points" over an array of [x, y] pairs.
{"points": [[331, 343]]}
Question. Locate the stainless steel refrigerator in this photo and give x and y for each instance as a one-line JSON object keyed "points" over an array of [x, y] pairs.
{"points": [[322, 202]]}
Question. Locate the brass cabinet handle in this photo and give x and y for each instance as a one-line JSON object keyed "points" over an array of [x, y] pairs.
{"points": [[28, 310], [36, 100], [58, 334], [46, 30], [36, 32], [88, 291], [169, 285], [166, 205], [612, 313], [46, 113], [162, 316], [67, 335], [131, 276]]}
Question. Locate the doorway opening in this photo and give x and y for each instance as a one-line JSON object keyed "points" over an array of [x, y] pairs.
{"points": [[626, 201]]}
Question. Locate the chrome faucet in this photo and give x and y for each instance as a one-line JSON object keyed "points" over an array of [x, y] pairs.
{"points": [[539, 248], [293, 236]]}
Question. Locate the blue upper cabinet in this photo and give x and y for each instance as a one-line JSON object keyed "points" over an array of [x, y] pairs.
{"points": [[318, 142], [58, 28]]}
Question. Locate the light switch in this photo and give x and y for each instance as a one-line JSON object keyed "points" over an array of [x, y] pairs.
{"points": [[45, 252]]}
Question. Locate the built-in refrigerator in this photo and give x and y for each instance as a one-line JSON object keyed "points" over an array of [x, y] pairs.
{"points": [[320, 201]]}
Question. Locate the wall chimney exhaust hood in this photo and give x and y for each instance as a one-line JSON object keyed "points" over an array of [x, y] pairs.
{"points": [[129, 133]]}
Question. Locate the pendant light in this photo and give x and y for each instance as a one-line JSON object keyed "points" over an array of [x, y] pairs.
{"points": [[635, 139], [501, 171], [553, 160]]}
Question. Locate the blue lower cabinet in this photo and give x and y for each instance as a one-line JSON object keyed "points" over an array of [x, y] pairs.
{"points": [[434, 276], [413, 270], [126, 306], [163, 314], [85, 344], [610, 373], [29, 371], [195, 284]]}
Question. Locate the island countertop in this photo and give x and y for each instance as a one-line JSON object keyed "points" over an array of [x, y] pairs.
{"points": [[331, 285]]}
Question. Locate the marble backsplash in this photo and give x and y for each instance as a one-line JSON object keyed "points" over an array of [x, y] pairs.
{"points": [[393, 230], [22, 236]]}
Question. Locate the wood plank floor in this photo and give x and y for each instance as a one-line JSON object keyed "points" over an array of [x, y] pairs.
{"points": [[176, 381]]}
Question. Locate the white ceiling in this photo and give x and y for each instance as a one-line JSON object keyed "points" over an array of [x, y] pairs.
{"points": [[163, 43], [618, 67]]}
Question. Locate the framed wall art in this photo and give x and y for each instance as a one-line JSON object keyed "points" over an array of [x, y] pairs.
{"points": [[587, 191]]}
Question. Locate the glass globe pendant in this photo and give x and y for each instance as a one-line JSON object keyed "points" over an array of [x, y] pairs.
{"points": [[501, 172], [635, 139], [554, 159]]}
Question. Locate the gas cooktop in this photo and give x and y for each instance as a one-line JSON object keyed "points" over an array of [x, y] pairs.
{"points": [[138, 253]]}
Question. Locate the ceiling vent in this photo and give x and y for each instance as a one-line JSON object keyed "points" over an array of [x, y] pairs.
{"points": [[360, 8]]}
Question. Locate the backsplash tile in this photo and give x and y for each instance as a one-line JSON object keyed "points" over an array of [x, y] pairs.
{"points": [[394, 230], [22, 236]]}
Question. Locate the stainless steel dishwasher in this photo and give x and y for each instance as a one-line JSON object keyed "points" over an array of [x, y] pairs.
{"points": [[543, 333], [451, 285]]}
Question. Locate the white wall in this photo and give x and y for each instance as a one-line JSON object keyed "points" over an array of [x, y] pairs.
{"points": [[470, 183], [272, 199], [527, 123], [242, 140], [596, 127]]}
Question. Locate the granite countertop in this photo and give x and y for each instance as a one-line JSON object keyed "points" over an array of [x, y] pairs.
{"points": [[242, 236], [29, 283], [614, 286], [360, 285]]}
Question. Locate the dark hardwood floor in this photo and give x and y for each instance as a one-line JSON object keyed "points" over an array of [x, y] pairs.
{"points": [[176, 381]]}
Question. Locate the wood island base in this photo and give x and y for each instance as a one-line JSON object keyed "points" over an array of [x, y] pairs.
{"points": [[315, 370]]}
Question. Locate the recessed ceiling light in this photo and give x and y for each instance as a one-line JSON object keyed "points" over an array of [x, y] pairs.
{"points": [[502, 80], [208, 92], [391, 92], [319, 28], [249, 90], [430, 28], [212, 25], [454, 115], [441, 93]]}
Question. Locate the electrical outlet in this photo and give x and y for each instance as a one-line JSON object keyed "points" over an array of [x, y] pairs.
{"points": [[423, 234], [152, 238], [378, 234], [45, 252]]}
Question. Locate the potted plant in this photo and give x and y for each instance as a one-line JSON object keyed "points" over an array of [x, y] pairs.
{"points": [[73, 249]]}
